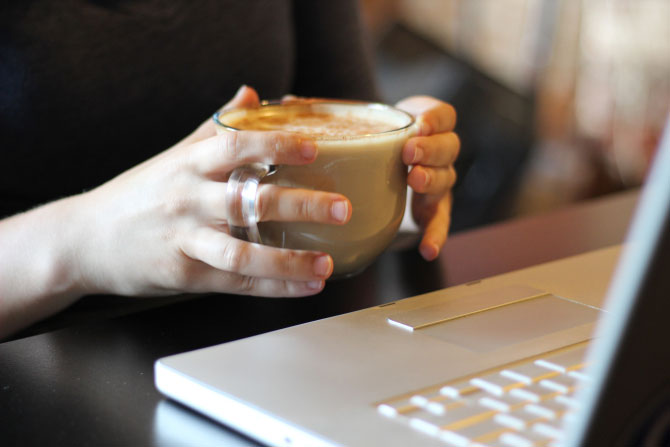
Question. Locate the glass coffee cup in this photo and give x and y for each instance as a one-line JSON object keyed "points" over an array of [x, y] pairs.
{"points": [[359, 156]]}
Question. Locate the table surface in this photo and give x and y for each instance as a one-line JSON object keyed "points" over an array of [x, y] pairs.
{"points": [[92, 383]]}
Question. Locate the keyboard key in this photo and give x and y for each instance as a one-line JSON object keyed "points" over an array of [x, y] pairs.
{"points": [[504, 403], [466, 415], [550, 409], [526, 439], [423, 399], [424, 426], [528, 373], [458, 418], [561, 383], [565, 361], [483, 433], [580, 374], [533, 393], [394, 408], [553, 429], [459, 389], [518, 420], [495, 443], [427, 422], [496, 383], [454, 439]]}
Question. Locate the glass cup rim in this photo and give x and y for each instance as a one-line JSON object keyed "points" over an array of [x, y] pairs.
{"points": [[326, 102]]}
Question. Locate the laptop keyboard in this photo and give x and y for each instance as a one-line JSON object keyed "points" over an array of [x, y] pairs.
{"points": [[523, 405]]}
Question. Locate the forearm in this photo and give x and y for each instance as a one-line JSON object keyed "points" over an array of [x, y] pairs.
{"points": [[39, 272]]}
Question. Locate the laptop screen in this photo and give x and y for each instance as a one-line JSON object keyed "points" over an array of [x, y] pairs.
{"points": [[629, 402]]}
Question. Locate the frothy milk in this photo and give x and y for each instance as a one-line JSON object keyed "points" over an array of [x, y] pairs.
{"points": [[315, 124], [359, 156]]}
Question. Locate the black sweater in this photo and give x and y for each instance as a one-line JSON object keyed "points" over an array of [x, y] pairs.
{"points": [[90, 88]]}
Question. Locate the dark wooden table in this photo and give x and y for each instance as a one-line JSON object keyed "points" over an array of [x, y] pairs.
{"points": [[92, 383]]}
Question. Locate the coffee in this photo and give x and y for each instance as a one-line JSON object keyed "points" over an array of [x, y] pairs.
{"points": [[359, 156], [312, 123]]}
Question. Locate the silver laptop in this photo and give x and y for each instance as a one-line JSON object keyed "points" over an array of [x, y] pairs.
{"points": [[573, 352]]}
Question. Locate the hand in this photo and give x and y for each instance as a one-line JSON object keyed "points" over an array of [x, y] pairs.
{"points": [[431, 155], [161, 227]]}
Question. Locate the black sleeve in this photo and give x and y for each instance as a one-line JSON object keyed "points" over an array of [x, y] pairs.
{"points": [[333, 58]]}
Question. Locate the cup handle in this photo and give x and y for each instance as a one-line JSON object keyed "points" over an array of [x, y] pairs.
{"points": [[241, 195]]}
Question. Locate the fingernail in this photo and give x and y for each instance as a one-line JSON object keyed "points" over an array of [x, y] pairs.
{"points": [[308, 149], [240, 90], [323, 266], [340, 210], [429, 251], [424, 178], [315, 285], [418, 154]]}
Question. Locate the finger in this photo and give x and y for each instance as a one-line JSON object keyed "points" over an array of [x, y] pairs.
{"points": [[289, 99], [433, 116], [277, 203], [431, 180], [245, 97], [436, 230], [231, 149], [228, 254], [214, 280], [436, 150]]}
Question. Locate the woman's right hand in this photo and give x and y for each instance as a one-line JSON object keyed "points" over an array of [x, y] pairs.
{"points": [[161, 227]]}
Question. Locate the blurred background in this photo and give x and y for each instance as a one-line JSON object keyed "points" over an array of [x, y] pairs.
{"points": [[558, 100]]}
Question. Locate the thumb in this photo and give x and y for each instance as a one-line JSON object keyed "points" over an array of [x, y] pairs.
{"points": [[245, 97]]}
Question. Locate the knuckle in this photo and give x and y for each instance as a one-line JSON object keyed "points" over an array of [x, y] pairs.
{"points": [[246, 284], [276, 144], [293, 288], [449, 110], [264, 199], [450, 145], [301, 209], [449, 113], [287, 266], [446, 116], [229, 145], [176, 275], [177, 206], [311, 207], [453, 177], [234, 256], [454, 114], [456, 144], [287, 288], [277, 148]]}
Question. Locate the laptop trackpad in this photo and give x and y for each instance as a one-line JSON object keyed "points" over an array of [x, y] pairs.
{"points": [[513, 323]]}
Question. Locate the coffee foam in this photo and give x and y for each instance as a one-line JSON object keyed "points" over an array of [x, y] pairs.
{"points": [[319, 120], [313, 124]]}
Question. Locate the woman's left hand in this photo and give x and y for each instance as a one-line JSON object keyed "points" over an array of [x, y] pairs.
{"points": [[431, 155]]}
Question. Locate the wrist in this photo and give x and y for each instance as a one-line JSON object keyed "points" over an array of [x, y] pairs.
{"points": [[65, 252], [39, 254]]}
